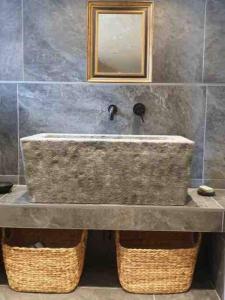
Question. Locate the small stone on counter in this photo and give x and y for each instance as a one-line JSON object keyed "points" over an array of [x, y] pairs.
{"points": [[205, 190]]}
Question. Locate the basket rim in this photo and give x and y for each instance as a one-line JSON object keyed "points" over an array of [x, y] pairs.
{"points": [[195, 245], [44, 249], [5, 243]]}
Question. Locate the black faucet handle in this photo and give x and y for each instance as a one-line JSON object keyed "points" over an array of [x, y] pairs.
{"points": [[139, 110], [112, 109]]}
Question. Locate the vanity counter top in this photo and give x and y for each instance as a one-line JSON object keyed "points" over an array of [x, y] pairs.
{"points": [[203, 214]]}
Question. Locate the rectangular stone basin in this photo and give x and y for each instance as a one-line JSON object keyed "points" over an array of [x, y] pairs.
{"points": [[113, 169]]}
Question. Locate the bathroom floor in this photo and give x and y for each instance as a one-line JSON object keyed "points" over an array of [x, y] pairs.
{"points": [[102, 284], [99, 293]]}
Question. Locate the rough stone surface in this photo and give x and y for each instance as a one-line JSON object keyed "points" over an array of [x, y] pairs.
{"points": [[119, 170]]}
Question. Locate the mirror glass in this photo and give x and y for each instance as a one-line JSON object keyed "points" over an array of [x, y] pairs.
{"points": [[120, 49], [119, 41]]}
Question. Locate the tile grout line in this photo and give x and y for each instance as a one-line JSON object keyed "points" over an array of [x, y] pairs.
{"points": [[22, 38], [3, 196], [212, 285], [191, 84], [204, 136], [8, 174], [219, 298], [18, 131], [204, 41], [218, 203], [214, 179]]}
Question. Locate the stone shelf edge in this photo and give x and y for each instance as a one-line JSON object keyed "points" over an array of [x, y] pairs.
{"points": [[203, 214]]}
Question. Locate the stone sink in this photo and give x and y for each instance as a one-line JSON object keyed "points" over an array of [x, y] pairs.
{"points": [[107, 169]]}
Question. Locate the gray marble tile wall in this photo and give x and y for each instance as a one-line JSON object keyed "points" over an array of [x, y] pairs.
{"points": [[216, 261], [8, 129], [43, 83]]}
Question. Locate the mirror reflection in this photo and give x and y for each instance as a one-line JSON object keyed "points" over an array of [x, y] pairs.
{"points": [[120, 49]]}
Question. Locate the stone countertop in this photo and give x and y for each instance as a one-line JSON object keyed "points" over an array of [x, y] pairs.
{"points": [[204, 214]]}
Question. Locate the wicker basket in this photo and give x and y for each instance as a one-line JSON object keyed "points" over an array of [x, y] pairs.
{"points": [[56, 268], [1, 257], [156, 262]]}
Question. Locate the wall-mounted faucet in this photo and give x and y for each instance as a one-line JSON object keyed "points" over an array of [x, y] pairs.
{"points": [[112, 109], [139, 110]]}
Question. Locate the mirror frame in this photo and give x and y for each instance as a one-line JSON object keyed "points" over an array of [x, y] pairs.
{"points": [[141, 7]]}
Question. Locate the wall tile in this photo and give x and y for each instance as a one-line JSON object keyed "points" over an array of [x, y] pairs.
{"points": [[82, 108], [215, 42], [217, 262], [215, 135], [8, 132], [55, 40], [9, 178], [10, 40], [216, 183], [101, 249], [177, 110], [178, 40], [77, 108], [50, 54]]}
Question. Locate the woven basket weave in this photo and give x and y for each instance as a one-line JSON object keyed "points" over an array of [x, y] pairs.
{"points": [[56, 268], [156, 262], [1, 257]]}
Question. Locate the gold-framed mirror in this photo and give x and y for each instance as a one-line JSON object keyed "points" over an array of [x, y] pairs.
{"points": [[120, 41]]}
